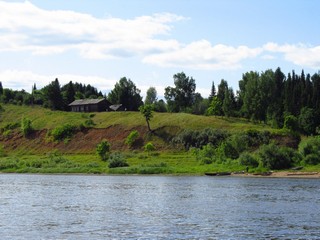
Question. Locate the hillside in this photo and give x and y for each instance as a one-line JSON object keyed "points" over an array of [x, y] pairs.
{"points": [[113, 126]]}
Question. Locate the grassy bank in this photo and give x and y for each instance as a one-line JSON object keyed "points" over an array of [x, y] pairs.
{"points": [[178, 163], [241, 140]]}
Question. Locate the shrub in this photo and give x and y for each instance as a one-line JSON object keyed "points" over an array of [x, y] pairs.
{"points": [[312, 159], [257, 138], [207, 154], [275, 157], [199, 138], [149, 147], [8, 163], [310, 150], [103, 149], [26, 127], [56, 157], [132, 137], [62, 132], [291, 123], [247, 159], [117, 160]]}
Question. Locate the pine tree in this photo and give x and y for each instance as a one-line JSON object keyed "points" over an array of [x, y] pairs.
{"points": [[1, 89], [213, 92]]}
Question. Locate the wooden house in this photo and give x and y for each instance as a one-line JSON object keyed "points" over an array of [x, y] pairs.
{"points": [[90, 105]]}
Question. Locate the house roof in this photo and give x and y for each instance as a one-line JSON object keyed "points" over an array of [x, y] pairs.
{"points": [[86, 102], [115, 107]]}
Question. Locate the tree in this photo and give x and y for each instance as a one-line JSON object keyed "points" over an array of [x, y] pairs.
{"points": [[103, 149], [69, 94], [215, 107], [126, 93], [1, 89], [160, 106], [213, 92], [151, 97], [307, 121], [182, 96], [146, 111], [52, 93]]}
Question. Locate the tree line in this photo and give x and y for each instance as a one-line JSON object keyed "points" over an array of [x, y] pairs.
{"points": [[291, 101]]}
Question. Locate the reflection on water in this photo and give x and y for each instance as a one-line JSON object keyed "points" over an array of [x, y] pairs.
{"points": [[157, 207]]}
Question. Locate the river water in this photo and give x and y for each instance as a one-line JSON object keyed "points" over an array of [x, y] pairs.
{"points": [[157, 207]]}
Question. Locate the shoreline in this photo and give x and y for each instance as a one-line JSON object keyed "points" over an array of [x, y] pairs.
{"points": [[282, 174]]}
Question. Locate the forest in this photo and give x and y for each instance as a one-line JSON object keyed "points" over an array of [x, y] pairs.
{"points": [[289, 101]]}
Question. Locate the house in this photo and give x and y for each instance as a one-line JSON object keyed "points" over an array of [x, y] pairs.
{"points": [[89, 105]]}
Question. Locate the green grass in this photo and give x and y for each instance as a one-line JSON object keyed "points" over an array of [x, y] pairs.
{"points": [[46, 119]]}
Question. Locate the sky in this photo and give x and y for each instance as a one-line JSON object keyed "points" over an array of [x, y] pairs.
{"points": [[98, 42]]}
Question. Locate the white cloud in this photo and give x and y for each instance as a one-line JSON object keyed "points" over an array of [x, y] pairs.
{"points": [[40, 31], [25, 79], [299, 54], [28, 28], [202, 55]]}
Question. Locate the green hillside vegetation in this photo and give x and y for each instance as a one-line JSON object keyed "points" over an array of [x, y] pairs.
{"points": [[43, 118], [231, 144]]}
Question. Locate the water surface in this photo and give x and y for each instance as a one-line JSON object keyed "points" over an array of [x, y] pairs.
{"points": [[157, 207]]}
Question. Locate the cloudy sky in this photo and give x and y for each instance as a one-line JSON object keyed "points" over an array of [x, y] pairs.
{"points": [[99, 41]]}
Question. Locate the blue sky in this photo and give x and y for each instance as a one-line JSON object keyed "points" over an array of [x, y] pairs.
{"points": [[99, 41]]}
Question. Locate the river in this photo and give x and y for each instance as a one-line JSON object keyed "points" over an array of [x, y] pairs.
{"points": [[157, 207]]}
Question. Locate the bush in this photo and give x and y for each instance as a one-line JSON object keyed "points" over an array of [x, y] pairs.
{"points": [[103, 149], [310, 150], [275, 157], [257, 138], [149, 147], [62, 132], [291, 123], [26, 127], [132, 137], [199, 138], [247, 159], [117, 160]]}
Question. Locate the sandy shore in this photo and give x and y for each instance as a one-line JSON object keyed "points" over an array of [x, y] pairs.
{"points": [[282, 174]]}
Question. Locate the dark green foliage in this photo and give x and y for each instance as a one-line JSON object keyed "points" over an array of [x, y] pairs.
{"points": [[275, 158], [160, 106], [312, 159], [181, 97], [126, 93], [256, 138], [199, 138], [307, 121], [247, 159], [117, 160], [151, 97], [310, 150], [291, 123], [103, 149], [26, 127], [1, 89], [53, 95], [62, 132], [228, 150]]}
